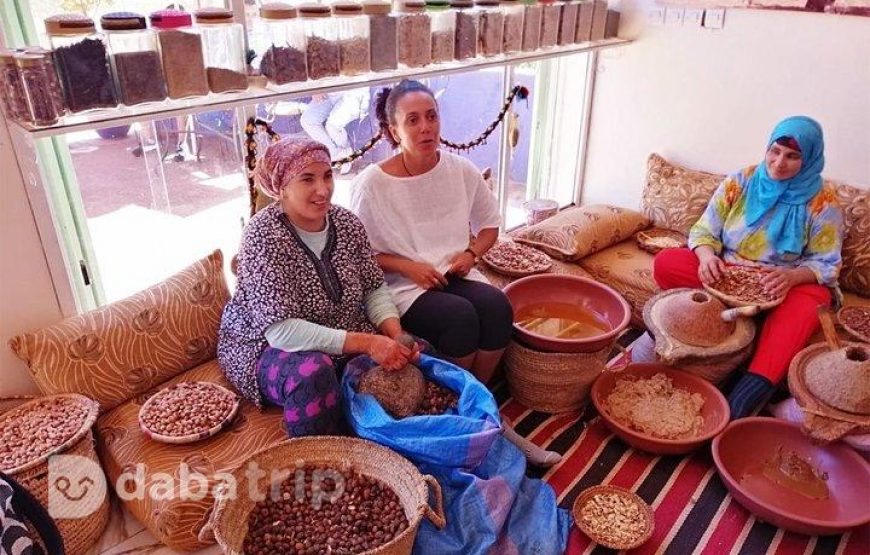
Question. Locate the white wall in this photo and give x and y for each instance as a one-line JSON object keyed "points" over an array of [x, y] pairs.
{"points": [[27, 297], [709, 99]]}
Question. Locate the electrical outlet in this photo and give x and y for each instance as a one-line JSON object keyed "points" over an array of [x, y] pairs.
{"points": [[714, 19], [656, 16], [693, 17], [674, 16]]}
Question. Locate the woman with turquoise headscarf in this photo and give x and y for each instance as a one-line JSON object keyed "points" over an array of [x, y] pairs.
{"points": [[778, 215]]}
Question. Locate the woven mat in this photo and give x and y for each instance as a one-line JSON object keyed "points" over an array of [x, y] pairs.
{"points": [[694, 513]]}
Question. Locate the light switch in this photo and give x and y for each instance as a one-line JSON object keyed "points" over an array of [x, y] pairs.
{"points": [[714, 19], [674, 16]]}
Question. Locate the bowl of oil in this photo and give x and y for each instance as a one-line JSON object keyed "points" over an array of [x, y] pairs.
{"points": [[566, 314]]}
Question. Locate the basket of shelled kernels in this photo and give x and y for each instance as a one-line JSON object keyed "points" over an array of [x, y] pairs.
{"points": [[34, 432], [188, 411]]}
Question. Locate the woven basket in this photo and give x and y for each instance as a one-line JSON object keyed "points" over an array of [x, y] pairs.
{"points": [[646, 515], [853, 332], [552, 382], [191, 438], [79, 534], [655, 239], [228, 522]]}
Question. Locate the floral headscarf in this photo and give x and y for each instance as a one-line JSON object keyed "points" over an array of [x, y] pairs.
{"points": [[285, 160]]}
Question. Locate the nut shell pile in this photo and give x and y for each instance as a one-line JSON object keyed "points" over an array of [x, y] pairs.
{"points": [[437, 400], [613, 517], [38, 428], [355, 516], [743, 283], [187, 409], [856, 320], [514, 259], [400, 392]]}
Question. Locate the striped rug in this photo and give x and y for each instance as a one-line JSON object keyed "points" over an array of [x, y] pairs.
{"points": [[694, 513]]}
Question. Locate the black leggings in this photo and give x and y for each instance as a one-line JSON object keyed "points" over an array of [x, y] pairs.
{"points": [[464, 317]]}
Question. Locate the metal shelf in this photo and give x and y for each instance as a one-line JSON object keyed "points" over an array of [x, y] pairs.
{"points": [[125, 114]]}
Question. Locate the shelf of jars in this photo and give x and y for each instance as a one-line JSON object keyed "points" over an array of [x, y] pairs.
{"points": [[258, 92]]}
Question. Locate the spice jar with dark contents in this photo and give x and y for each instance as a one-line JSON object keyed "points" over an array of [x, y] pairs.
{"points": [[552, 18], [467, 28], [223, 43], [491, 38], [14, 99], [443, 30], [514, 17], [583, 32], [135, 58], [37, 88], [568, 22], [323, 52], [284, 44], [181, 53], [82, 62], [415, 35], [534, 13], [353, 38], [383, 33]]}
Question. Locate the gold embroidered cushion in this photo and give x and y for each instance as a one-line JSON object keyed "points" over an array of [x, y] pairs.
{"points": [[855, 275], [121, 350], [674, 197], [577, 232]]}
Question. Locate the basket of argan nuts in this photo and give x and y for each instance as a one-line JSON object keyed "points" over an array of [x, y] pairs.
{"points": [[324, 494], [30, 434], [188, 412], [613, 517]]}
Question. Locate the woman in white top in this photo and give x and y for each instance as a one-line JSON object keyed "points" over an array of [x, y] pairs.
{"points": [[429, 216]]}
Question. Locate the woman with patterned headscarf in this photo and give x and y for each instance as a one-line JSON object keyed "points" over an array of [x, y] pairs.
{"points": [[310, 294], [778, 215]]}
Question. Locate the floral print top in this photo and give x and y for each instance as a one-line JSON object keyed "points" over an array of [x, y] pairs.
{"points": [[723, 227]]}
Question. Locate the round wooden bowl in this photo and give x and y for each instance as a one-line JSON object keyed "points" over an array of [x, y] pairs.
{"points": [[864, 310], [737, 302], [715, 410], [190, 438], [601, 539]]}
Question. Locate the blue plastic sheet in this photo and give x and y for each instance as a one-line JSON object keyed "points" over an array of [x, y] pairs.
{"points": [[491, 507]]}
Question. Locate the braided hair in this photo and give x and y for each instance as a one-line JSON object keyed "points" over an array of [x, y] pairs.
{"points": [[385, 104]]}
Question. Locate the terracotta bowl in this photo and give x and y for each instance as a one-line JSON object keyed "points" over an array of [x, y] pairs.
{"points": [[591, 295], [715, 410], [748, 443]]}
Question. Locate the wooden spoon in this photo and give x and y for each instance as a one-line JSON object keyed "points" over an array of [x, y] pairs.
{"points": [[828, 328]]}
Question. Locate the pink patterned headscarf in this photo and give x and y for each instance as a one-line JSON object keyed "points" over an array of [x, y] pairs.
{"points": [[285, 160]]}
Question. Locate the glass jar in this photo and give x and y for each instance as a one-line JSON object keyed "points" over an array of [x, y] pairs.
{"points": [[14, 99], [181, 53], [550, 21], [584, 21], [532, 18], [467, 28], [383, 33], [568, 22], [443, 30], [322, 50], [599, 19], [82, 62], [284, 40], [514, 16], [37, 89], [135, 58], [491, 37], [223, 43], [414, 34], [353, 38], [51, 72]]}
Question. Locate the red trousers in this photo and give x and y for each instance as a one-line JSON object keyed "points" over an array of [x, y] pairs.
{"points": [[786, 328]]}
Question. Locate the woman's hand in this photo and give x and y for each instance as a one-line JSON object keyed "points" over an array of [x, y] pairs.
{"points": [[389, 353], [711, 266], [461, 264], [778, 281], [424, 275]]}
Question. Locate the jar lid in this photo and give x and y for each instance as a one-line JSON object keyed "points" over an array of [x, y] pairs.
{"points": [[277, 10], [7, 56], [486, 2], [213, 15], [377, 7], [438, 4], [314, 10], [69, 24], [461, 4], [29, 60], [412, 6], [122, 21], [170, 19], [347, 8]]}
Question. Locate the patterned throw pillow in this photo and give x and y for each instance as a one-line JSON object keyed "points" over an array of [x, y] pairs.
{"points": [[675, 197], [121, 350], [577, 232], [855, 275]]}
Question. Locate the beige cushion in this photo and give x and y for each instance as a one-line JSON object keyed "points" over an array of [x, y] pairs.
{"points": [[116, 352], [577, 232], [177, 521], [674, 197], [627, 269], [855, 275]]}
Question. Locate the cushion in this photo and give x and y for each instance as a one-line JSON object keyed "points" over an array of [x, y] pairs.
{"points": [[855, 275], [628, 269], [674, 197], [176, 521], [118, 351], [580, 231]]}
